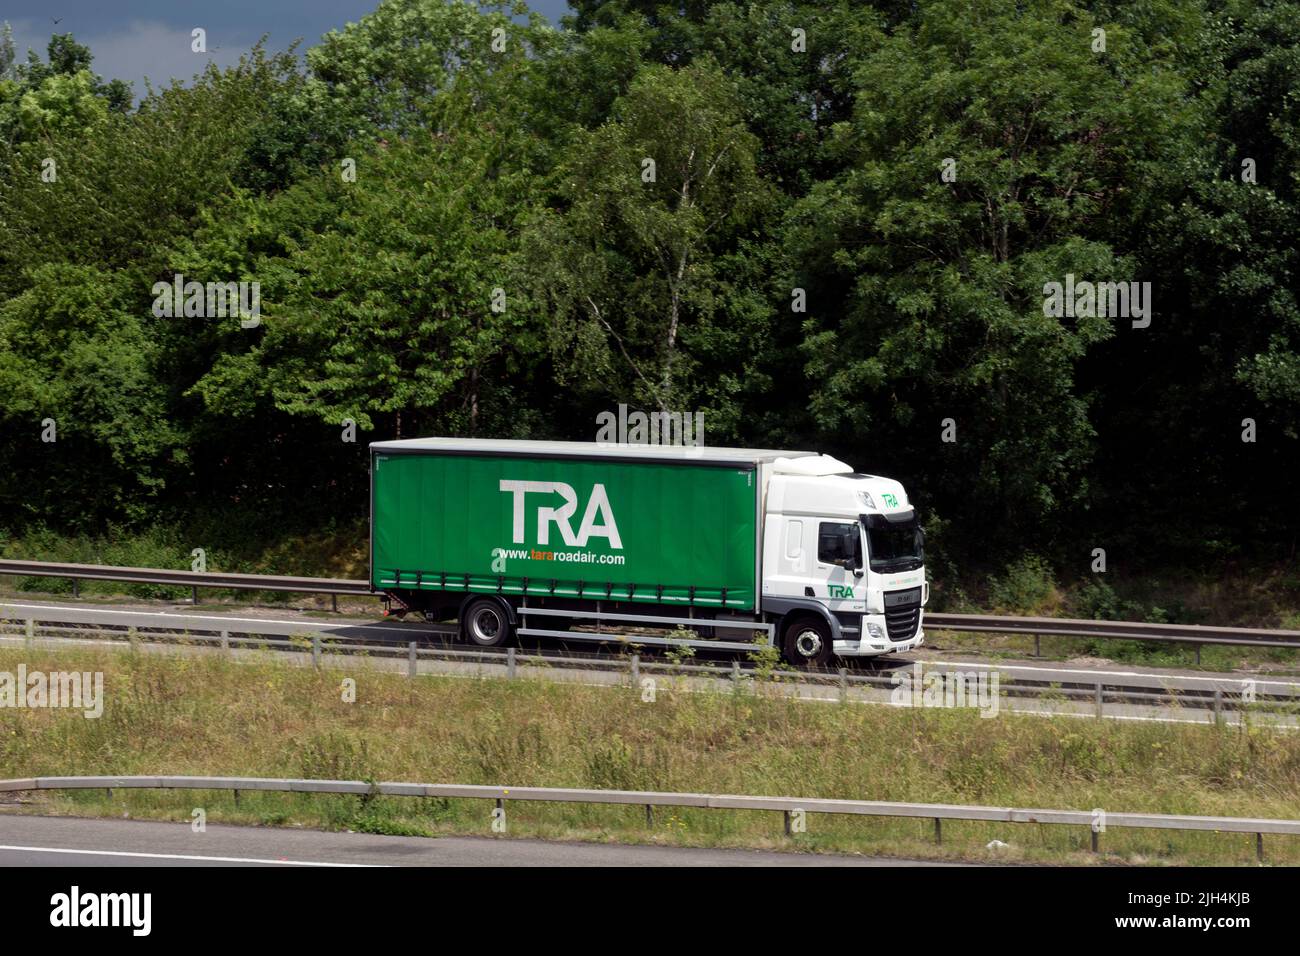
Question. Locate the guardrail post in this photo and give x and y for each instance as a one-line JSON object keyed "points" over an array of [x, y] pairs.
{"points": [[31, 630], [315, 650], [1096, 840], [510, 663], [649, 816], [76, 587], [411, 664], [194, 595], [236, 798], [1198, 654], [1097, 698], [225, 642], [938, 831], [844, 684], [789, 826], [635, 664], [1259, 847], [735, 672], [1038, 651], [132, 637], [334, 603], [1218, 704]]}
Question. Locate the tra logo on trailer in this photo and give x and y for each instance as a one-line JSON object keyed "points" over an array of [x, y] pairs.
{"points": [[598, 509]]}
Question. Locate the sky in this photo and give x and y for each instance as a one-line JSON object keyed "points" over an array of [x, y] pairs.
{"points": [[134, 39]]}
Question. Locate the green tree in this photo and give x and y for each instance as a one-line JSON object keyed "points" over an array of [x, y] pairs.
{"points": [[644, 269], [8, 56], [96, 238], [1217, 229], [128, 187], [75, 353], [64, 102], [926, 290], [386, 73], [386, 314], [38, 98]]}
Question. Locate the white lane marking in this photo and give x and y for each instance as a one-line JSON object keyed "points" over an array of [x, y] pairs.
{"points": [[176, 856]]}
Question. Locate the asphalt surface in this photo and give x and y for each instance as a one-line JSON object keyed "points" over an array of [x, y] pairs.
{"points": [[288, 621], [63, 841]]}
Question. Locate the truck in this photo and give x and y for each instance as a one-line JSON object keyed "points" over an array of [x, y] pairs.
{"points": [[698, 544]]}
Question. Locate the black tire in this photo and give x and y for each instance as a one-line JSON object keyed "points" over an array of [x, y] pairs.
{"points": [[485, 623], [806, 642]]}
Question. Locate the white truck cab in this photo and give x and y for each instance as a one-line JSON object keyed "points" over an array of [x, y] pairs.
{"points": [[843, 559]]}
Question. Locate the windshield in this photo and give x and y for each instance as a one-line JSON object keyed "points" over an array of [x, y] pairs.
{"points": [[896, 549]]}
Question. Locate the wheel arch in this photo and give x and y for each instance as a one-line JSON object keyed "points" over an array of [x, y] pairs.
{"points": [[497, 599], [789, 608]]}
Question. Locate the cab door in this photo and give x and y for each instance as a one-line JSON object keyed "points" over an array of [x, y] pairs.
{"points": [[840, 565]]}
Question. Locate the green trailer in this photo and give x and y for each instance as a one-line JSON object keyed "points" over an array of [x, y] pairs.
{"points": [[670, 526]]}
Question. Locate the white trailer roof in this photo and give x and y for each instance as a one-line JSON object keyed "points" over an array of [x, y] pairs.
{"points": [[583, 449]]}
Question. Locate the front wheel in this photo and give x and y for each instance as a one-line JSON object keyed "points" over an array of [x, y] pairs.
{"points": [[486, 624], [807, 643]]}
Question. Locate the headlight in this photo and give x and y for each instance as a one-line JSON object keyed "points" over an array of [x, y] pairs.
{"points": [[875, 632], [867, 499]]}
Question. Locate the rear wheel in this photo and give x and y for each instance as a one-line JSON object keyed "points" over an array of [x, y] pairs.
{"points": [[486, 623], [806, 642]]}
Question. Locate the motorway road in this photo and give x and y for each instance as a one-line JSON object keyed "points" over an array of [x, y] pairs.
{"points": [[289, 621], [64, 841]]}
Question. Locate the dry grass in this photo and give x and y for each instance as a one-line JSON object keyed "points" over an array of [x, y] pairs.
{"points": [[179, 715]]}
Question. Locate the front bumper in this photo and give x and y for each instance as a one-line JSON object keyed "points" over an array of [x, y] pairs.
{"points": [[869, 648], [873, 645]]}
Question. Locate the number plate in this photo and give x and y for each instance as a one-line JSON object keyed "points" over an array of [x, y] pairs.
{"points": [[902, 598]]}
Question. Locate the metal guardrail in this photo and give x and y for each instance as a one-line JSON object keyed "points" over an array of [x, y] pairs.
{"points": [[107, 619], [1083, 692], [187, 579], [1120, 630], [1096, 821], [1194, 634]]}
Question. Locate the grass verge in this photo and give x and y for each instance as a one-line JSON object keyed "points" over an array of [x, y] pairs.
{"points": [[209, 715]]}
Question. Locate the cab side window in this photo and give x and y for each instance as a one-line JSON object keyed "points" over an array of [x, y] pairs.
{"points": [[837, 542]]}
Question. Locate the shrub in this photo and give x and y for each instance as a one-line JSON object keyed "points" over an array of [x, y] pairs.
{"points": [[1025, 585]]}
